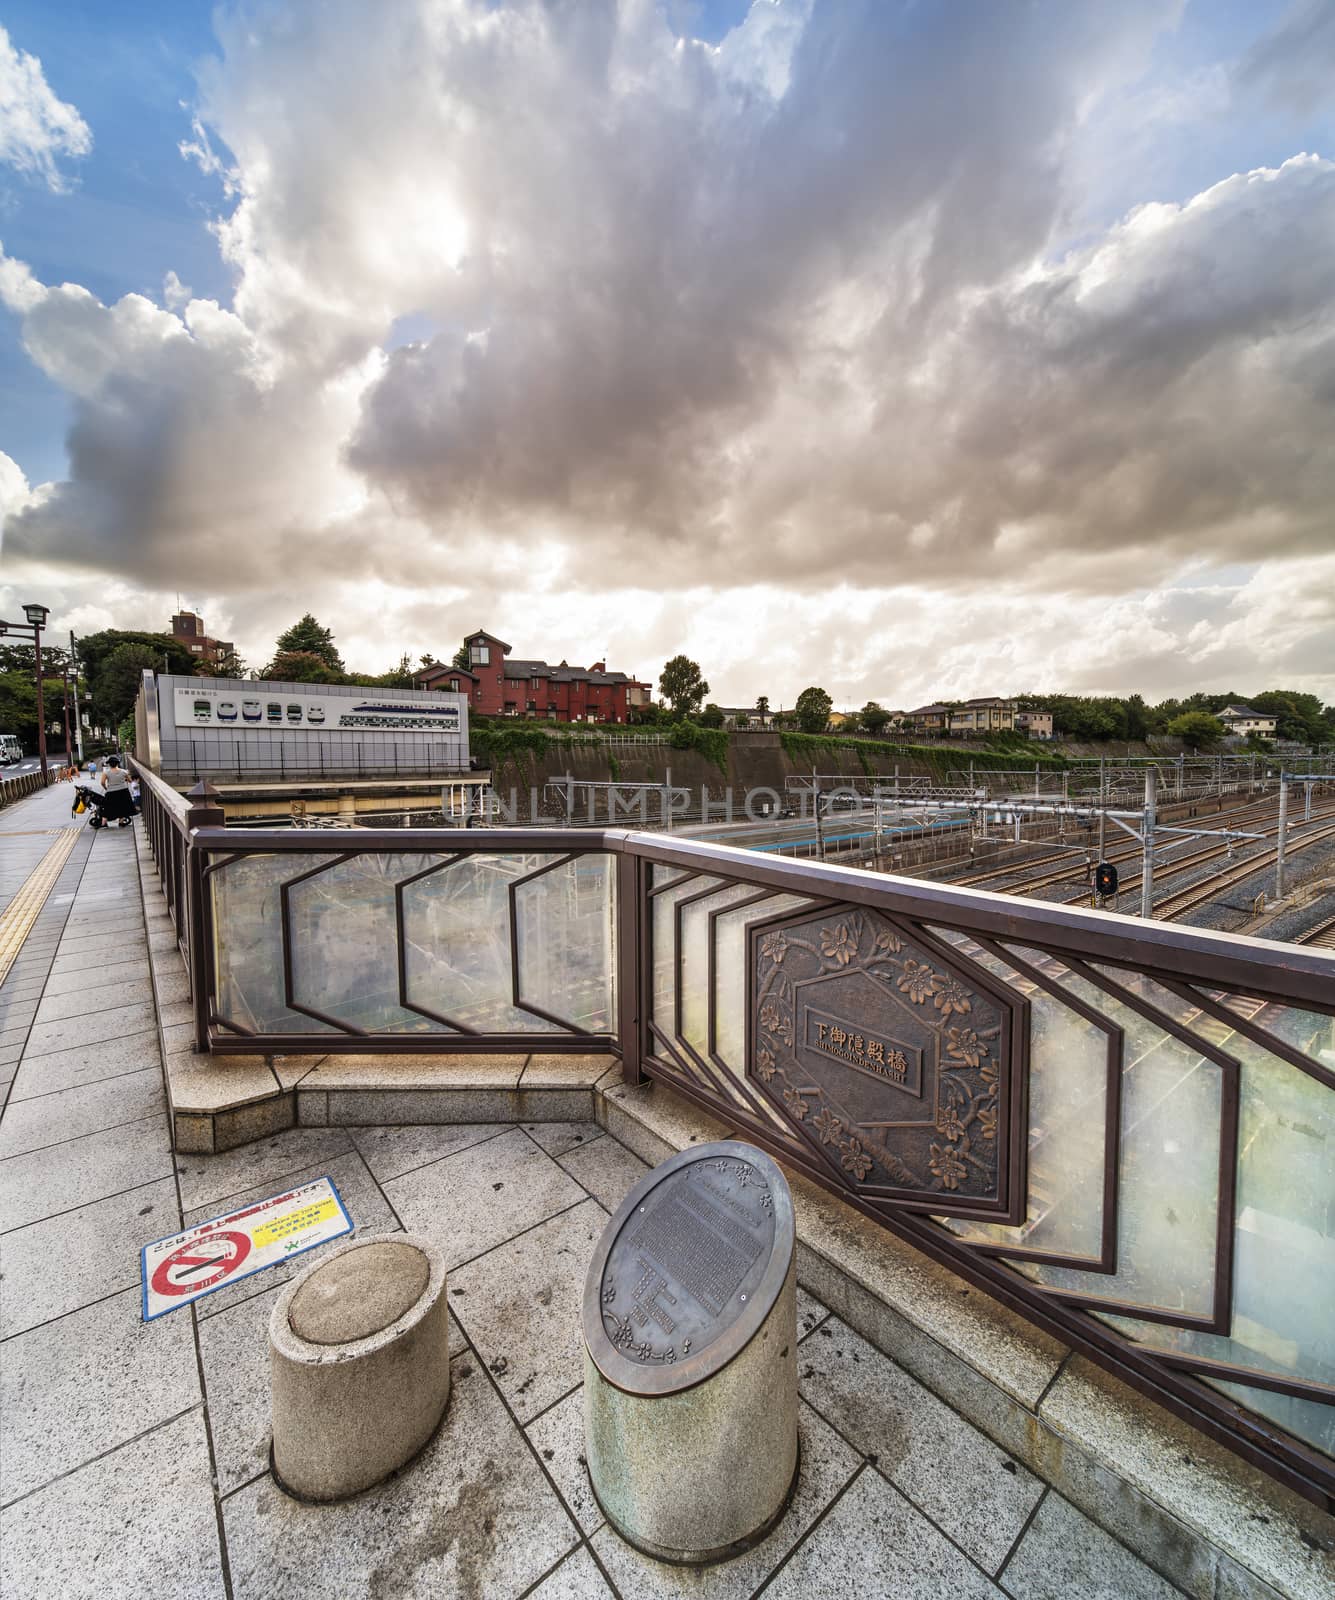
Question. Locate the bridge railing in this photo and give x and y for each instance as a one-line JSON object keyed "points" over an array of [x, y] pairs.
{"points": [[15, 788], [1123, 1129]]}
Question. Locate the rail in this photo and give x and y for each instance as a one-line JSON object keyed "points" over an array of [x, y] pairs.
{"points": [[1123, 1130]]}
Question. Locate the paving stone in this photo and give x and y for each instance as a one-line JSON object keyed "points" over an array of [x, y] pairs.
{"points": [[95, 998], [1063, 1554], [86, 1383], [558, 1137], [361, 1197], [89, 1064], [810, 1314], [390, 1152], [874, 1543], [558, 1437], [208, 1179], [70, 1113], [97, 1248], [472, 1516], [966, 1484], [520, 1305], [11, 1054], [82, 976], [16, 1013], [90, 963], [606, 1169], [45, 1182], [577, 1578], [69, 1034], [417, 1071], [140, 1521], [826, 1466], [564, 1071], [470, 1202]]}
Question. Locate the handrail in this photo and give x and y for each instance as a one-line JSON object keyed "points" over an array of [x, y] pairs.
{"points": [[176, 803]]}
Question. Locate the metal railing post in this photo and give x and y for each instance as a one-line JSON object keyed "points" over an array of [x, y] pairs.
{"points": [[204, 812], [632, 968], [1147, 854], [1281, 842]]}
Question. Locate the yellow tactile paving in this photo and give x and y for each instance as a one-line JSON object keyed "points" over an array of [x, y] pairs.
{"points": [[21, 912]]}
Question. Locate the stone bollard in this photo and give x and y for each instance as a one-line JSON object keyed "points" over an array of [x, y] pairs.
{"points": [[690, 1356], [359, 1355]]}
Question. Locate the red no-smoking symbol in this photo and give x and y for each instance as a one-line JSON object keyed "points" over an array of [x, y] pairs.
{"points": [[200, 1264]]}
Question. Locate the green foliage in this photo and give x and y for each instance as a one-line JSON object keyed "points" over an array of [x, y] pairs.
{"points": [[613, 767], [115, 685], [125, 735], [682, 686], [307, 637], [230, 666], [647, 716], [874, 756], [712, 743], [1197, 728], [813, 710], [873, 717], [1301, 716], [495, 741], [165, 654], [304, 666], [762, 704], [711, 716], [18, 706]]}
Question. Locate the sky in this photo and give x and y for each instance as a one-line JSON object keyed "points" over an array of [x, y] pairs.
{"points": [[910, 349]]}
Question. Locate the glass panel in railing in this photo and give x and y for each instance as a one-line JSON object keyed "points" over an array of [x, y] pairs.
{"points": [[1312, 1033], [343, 936], [730, 973], [695, 939], [457, 943], [566, 938], [248, 941], [1284, 1237], [1168, 1166], [663, 923], [1310, 1420], [1068, 1123]]}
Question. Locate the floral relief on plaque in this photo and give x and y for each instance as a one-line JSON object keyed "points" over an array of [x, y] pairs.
{"points": [[890, 1059]]}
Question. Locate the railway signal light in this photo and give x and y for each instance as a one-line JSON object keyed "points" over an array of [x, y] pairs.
{"points": [[1105, 879]]}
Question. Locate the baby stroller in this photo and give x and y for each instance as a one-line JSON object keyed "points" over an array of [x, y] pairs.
{"points": [[101, 808]]}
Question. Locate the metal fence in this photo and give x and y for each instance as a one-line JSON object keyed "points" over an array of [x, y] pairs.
{"points": [[1124, 1130], [256, 758]]}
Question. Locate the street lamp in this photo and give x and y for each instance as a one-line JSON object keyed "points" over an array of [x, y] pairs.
{"points": [[36, 616]]}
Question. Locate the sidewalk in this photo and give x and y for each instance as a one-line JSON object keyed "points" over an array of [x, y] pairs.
{"points": [[134, 1458]]}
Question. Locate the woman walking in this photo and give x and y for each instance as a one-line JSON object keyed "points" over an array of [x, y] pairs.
{"points": [[119, 803]]}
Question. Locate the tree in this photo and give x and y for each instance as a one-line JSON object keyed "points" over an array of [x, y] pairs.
{"points": [[229, 666], [1196, 728], [813, 710], [168, 655], [308, 637], [762, 705], [682, 686], [302, 666], [711, 716], [874, 717], [116, 685], [460, 657]]}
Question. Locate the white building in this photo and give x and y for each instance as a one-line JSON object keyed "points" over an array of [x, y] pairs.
{"points": [[1242, 722]]}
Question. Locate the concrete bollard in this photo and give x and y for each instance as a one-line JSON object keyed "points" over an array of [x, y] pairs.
{"points": [[690, 1356], [360, 1361]]}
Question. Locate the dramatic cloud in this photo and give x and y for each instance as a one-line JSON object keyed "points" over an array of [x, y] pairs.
{"points": [[800, 350], [35, 126]]}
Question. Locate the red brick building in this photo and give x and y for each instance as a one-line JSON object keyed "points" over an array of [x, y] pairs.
{"points": [[188, 628], [498, 687]]}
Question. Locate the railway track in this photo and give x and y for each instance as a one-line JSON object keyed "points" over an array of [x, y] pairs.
{"points": [[1061, 862], [1174, 905], [1322, 936]]}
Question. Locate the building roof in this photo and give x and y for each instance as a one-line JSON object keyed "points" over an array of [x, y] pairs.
{"points": [[481, 633], [936, 709], [562, 674], [988, 700], [444, 669], [1248, 711]]}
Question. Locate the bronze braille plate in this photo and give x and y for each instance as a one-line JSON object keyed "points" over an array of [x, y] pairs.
{"points": [[689, 1268]]}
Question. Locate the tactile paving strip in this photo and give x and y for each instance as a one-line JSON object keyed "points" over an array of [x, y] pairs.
{"points": [[19, 915]]}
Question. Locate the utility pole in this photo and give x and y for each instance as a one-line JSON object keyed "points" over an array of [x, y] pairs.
{"points": [[1283, 838], [815, 797], [78, 721], [1147, 849], [65, 706]]}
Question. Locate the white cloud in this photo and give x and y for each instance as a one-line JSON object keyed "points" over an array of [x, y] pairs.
{"points": [[768, 351], [36, 128]]}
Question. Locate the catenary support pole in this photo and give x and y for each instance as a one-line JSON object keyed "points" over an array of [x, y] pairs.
{"points": [[78, 720], [1147, 837], [1283, 838]]}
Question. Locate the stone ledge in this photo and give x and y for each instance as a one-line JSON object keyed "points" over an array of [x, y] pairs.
{"points": [[1217, 1528]]}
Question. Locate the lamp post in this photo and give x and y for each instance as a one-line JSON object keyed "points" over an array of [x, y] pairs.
{"points": [[36, 615]]}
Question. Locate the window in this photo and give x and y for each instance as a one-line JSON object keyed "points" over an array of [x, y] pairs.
{"points": [[454, 685], [479, 655], [198, 649]]}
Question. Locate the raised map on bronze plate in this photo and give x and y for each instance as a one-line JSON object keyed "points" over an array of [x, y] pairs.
{"points": [[891, 1059]]}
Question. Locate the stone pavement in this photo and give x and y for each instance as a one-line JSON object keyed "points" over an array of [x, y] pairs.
{"points": [[134, 1457]]}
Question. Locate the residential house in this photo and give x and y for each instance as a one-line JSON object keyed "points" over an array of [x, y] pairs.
{"points": [[501, 687], [1243, 722]]}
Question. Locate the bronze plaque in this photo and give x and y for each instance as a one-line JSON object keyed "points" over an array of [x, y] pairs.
{"points": [[689, 1259], [891, 1059]]}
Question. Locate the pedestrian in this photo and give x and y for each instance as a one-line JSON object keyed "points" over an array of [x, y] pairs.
{"points": [[119, 804]]}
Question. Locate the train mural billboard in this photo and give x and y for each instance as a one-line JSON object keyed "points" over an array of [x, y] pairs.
{"points": [[274, 708]]}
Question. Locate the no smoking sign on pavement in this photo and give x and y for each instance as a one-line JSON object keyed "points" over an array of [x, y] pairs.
{"points": [[208, 1256]]}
